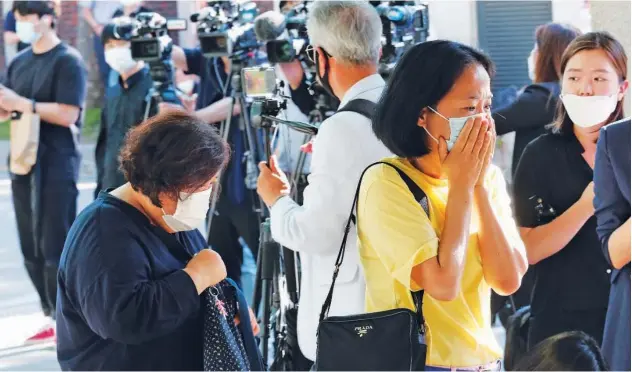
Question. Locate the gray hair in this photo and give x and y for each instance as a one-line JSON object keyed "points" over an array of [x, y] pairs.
{"points": [[350, 31]]}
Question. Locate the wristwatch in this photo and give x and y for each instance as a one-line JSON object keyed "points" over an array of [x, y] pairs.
{"points": [[33, 105]]}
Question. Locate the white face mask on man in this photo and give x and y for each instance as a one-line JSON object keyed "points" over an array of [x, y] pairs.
{"points": [[456, 126], [588, 111], [26, 32], [190, 211], [120, 59]]}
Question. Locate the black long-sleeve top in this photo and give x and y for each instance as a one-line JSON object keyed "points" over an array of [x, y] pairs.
{"points": [[528, 116]]}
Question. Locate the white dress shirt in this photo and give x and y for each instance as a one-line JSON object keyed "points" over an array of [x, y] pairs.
{"points": [[344, 147]]}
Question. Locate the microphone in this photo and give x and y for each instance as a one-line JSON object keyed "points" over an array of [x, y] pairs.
{"points": [[269, 26]]}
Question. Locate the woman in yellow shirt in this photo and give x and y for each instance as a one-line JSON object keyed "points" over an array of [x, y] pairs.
{"points": [[469, 244]]}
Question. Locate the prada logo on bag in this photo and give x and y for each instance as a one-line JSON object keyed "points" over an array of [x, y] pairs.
{"points": [[362, 331]]}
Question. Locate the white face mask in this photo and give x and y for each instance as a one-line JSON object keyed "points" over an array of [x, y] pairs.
{"points": [[186, 86], [588, 111], [456, 126], [120, 59], [26, 32], [190, 211], [531, 66]]}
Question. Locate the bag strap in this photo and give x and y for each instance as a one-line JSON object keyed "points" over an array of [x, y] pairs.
{"points": [[245, 328], [363, 107], [360, 106], [421, 198]]}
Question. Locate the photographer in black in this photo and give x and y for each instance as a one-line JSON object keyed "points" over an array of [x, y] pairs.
{"points": [[235, 215], [126, 104]]}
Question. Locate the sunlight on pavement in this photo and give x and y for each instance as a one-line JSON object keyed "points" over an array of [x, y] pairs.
{"points": [[16, 329]]}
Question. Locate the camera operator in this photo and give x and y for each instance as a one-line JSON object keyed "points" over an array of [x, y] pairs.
{"points": [[271, 26], [346, 46], [235, 215], [126, 104], [45, 83]]}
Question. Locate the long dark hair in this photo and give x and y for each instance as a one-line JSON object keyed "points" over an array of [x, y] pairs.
{"points": [[551, 40], [619, 59]]}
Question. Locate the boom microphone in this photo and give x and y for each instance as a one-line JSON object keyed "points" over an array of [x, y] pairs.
{"points": [[269, 26]]}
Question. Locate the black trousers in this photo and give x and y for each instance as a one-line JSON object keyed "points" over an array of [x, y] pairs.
{"points": [[550, 323], [44, 210], [230, 222]]}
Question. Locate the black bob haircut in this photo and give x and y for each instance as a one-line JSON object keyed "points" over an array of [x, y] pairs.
{"points": [[170, 153], [568, 351], [423, 76], [39, 8]]}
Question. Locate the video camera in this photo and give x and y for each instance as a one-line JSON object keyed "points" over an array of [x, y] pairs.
{"points": [[225, 29], [260, 84], [285, 35], [150, 42], [404, 23], [286, 41]]}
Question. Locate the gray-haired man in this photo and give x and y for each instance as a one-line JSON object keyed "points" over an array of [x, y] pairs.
{"points": [[346, 41]]}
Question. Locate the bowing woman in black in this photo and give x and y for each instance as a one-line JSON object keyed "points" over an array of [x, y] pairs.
{"points": [[553, 193]]}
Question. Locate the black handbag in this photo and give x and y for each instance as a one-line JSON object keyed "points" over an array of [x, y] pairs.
{"points": [[392, 340]]}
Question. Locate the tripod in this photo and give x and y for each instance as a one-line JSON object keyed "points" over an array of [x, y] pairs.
{"points": [[266, 291], [159, 93], [288, 356], [268, 275], [277, 275], [251, 147]]}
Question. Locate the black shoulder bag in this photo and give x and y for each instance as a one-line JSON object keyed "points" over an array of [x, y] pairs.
{"points": [[392, 340]]}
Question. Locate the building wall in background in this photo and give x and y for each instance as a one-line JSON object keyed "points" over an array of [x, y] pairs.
{"points": [[574, 12], [614, 17], [68, 22], [453, 20], [457, 20]]}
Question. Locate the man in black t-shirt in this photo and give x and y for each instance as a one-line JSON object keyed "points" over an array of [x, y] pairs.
{"points": [[48, 79]]}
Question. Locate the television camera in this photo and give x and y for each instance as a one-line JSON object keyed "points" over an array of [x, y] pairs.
{"points": [[286, 40], [404, 24], [226, 30], [150, 42]]}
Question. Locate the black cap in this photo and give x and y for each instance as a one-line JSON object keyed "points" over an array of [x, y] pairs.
{"points": [[39, 8], [118, 29]]}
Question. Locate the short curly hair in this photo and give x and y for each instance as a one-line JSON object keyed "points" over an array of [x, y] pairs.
{"points": [[170, 153]]}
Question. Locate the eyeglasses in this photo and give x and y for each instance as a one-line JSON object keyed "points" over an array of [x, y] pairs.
{"points": [[312, 53]]}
